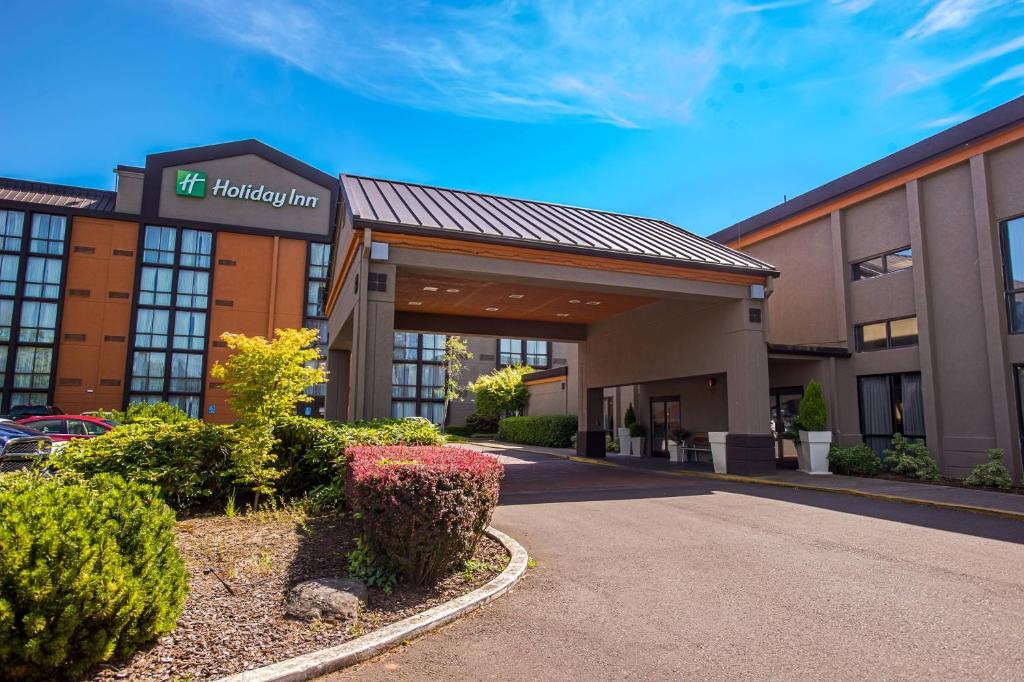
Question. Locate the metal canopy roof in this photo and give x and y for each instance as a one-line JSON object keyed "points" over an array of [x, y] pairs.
{"points": [[64, 196], [485, 217]]}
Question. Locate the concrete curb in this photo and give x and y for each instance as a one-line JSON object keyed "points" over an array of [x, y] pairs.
{"points": [[317, 663], [953, 506]]}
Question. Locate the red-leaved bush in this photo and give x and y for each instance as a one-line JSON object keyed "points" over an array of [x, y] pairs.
{"points": [[423, 508]]}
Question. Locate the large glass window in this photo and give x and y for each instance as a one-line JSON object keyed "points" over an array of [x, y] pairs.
{"points": [[42, 277], [155, 286], [319, 260], [32, 368], [158, 246], [151, 328], [196, 247], [1013, 272], [893, 261], [6, 319], [8, 274], [189, 330], [186, 373], [148, 372], [418, 376], [316, 297], [12, 225], [47, 234], [890, 403], [38, 322], [193, 289], [895, 333], [536, 354]]}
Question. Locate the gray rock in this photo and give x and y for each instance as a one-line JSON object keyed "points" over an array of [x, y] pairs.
{"points": [[332, 599]]}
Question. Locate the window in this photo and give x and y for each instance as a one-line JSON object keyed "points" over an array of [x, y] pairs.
{"points": [[28, 398], [47, 234], [32, 368], [6, 318], [158, 246], [148, 372], [90, 428], [890, 403], [42, 277], [189, 330], [151, 328], [8, 274], [187, 403], [896, 333], [38, 322], [418, 376], [893, 261], [50, 425], [536, 354], [11, 227], [1013, 272], [155, 286], [186, 373], [193, 289], [3, 364], [316, 296], [196, 247], [319, 260]]}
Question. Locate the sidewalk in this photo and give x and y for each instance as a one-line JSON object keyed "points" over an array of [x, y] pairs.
{"points": [[1008, 505]]}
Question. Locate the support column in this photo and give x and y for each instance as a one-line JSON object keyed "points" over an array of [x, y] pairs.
{"points": [[590, 432], [750, 448], [339, 364], [375, 348]]}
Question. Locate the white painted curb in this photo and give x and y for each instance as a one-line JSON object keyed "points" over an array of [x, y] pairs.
{"points": [[311, 665]]}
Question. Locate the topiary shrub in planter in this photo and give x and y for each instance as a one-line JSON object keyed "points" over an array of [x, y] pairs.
{"points": [[910, 458], [482, 423], [859, 460], [88, 572], [553, 431], [422, 509], [815, 438], [189, 462], [992, 473]]}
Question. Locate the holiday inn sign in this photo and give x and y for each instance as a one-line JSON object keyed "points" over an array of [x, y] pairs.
{"points": [[193, 183]]}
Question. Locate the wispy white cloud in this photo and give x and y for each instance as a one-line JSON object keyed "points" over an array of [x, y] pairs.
{"points": [[920, 78], [947, 121], [1014, 73], [947, 15], [852, 6]]}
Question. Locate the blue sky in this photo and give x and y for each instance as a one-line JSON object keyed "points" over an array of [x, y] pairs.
{"points": [[701, 113]]}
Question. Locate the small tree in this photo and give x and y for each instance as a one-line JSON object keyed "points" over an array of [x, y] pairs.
{"points": [[502, 392], [265, 381], [629, 418], [456, 352], [813, 413]]}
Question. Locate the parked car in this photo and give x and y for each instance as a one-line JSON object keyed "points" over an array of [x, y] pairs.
{"points": [[22, 446], [65, 427], [22, 411]]}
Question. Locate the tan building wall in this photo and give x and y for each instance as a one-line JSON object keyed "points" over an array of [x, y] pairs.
{"points": [[96, 321]]}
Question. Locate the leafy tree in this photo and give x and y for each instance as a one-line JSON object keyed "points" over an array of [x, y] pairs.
{"points": [[456, 352], [265, 381], [813, 414], [502, 392]]}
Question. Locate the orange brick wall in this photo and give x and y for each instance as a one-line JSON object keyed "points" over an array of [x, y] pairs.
{"points": [[94, 331]]}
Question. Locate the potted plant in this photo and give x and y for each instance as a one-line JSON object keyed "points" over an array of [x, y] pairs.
{"points": [[637, 434], [628, 420], [680, 436], [812, 425]]}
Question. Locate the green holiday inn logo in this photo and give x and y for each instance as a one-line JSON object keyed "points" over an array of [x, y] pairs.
{"points": [[191, 184]]}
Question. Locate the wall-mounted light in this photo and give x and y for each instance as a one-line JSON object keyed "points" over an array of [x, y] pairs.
{"points": [[712, 382]]}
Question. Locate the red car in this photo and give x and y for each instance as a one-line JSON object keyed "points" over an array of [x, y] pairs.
{"points": [[64, 427]]}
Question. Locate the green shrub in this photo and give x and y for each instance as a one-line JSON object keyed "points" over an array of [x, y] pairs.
{"points": [[189, 462], [309, 451], [859, 460], [367, 568], [553, 431], [147, 412], [482, 423], [412, 431], [502, 392], [88, 571], [992, 473], [910, 458], [813, 415], [422, 509], [461, 431], [629, 418]]}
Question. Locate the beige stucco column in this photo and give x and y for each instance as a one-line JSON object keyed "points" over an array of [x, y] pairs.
{"points": [[374, 334], [749, 445], [339, 363]]}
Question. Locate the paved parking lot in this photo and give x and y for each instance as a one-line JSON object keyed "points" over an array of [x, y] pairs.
{"points": [[641, 576]]}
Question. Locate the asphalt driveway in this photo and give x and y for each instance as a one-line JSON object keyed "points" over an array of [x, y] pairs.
{"points": [[641, 576]]}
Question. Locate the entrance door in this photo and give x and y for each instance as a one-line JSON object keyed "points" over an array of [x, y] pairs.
{"points": [[665, 418], [785, 404]]}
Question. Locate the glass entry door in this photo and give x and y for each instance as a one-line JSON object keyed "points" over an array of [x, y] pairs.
{"points": [[665, 418], [785, 404]]}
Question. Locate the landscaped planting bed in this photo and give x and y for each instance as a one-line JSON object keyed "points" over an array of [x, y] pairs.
{"points": [[260, 556]]}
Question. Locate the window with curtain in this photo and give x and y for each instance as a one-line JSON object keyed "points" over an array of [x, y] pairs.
{"points": [[1012, 232], [38, 322], [895, 333], [32, 367], [47, 234], [196, 247], [8, 274], [6, 319], [189, 330], [890, 403], [193, 289], [418, 376], [158, 245], [151, 328], [12, 225], [42, 277], [536, 354]]}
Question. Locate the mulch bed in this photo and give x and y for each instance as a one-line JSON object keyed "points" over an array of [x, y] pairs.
{"points": [[260, 556]]}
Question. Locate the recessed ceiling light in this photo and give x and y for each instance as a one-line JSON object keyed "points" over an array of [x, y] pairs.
{"points": [[491, 310], [515, 295], [415, 302], [429, 288], [561, 314], [452, 291], [593, 303], [574, 300]]}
